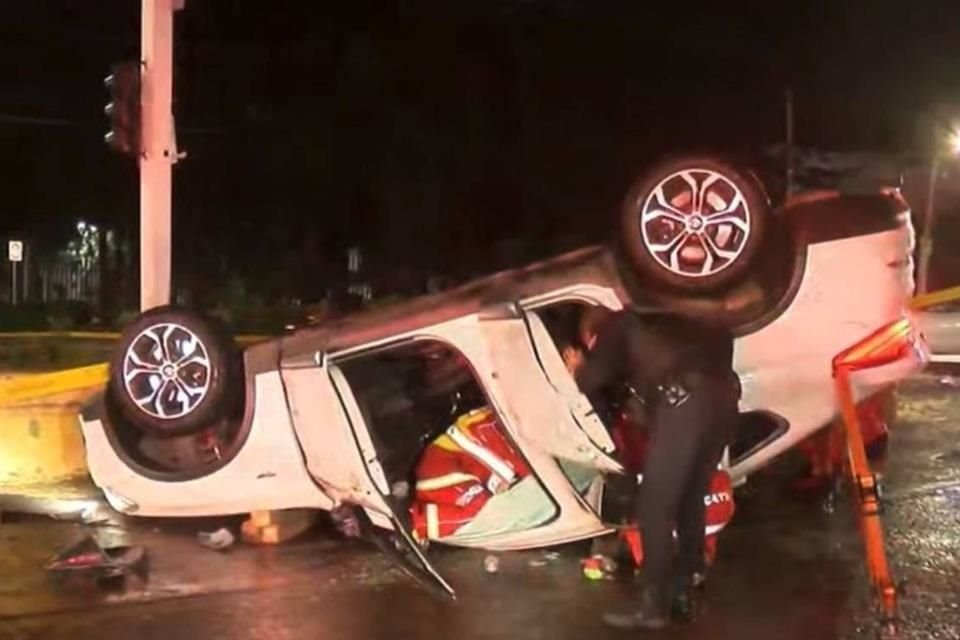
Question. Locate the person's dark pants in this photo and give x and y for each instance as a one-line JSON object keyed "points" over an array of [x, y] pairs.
{"points": [[686, 444]]}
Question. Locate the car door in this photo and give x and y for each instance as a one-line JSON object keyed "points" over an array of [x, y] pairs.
{"points": [[341, 458], [553, 367], [540, 411]]}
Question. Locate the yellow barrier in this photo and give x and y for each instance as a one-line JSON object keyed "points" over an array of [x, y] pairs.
{"points": [[42, 385], [41, 441]]}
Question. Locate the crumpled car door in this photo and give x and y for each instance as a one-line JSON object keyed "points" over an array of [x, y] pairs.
{"points": [[539, 411], [562, 381], [341, 458]]}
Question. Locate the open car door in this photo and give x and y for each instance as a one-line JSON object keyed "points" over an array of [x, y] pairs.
{"points": [[341, 459], [563, 383], [544, 413]]}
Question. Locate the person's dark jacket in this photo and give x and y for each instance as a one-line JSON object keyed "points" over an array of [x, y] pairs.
{"points": [[651, 349]]}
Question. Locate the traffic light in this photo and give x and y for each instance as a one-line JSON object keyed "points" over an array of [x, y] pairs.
{"points": [[124, 108]]}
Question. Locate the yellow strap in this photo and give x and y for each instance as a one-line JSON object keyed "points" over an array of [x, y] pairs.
{"points": [[433, 521], [446, 443], [448, 480]]}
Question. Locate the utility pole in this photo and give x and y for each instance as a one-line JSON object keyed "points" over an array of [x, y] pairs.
{"points": [[789, 150], [158, 151], [926, 239]]}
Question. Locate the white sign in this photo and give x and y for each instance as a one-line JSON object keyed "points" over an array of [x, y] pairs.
{"points": [[15, 251]]}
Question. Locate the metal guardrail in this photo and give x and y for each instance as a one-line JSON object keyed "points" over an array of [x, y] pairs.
{"points": [[925, 300]]}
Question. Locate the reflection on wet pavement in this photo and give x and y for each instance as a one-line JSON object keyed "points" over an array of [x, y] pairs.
{"points": [[786, 570]]}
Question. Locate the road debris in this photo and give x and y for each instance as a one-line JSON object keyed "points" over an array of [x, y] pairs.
{"points": [[544, 560], [87, 557], [598, 567], [219, 540], [491, 564]]}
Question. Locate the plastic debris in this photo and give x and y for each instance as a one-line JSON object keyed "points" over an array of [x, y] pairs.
{"points": [[551, 556], [537, 563], [218, 540], [598, 567], [592, 569], [491, 564], [87, 557]]}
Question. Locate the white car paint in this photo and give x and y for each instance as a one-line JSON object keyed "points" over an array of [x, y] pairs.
{"points": [[786, 367], [267, 473]]}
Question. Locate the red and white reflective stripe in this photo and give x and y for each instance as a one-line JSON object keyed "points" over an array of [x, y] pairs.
{"points": [[448, 480], [481, 453], [433, 521], [714, 528]]}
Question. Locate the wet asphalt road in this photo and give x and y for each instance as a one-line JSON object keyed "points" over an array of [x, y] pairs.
{"points": [[786, 570]]}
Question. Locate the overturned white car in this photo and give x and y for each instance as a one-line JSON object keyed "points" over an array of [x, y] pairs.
{"points": [[341, 412]]}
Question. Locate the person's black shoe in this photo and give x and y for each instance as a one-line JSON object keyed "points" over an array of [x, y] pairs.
{"points": [[681, 608], [638, 619], [651, 615]]}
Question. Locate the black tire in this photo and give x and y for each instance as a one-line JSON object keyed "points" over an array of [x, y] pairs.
{"points": [[211, 365], [741, 232]]}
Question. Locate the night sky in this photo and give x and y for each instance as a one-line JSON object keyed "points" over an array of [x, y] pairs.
{"points": [[429, 131]]}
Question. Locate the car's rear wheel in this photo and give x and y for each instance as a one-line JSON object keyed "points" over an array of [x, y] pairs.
{"points": [[174, 373], [693, 224]]}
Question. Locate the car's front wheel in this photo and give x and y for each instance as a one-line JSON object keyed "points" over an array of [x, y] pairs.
{"points": [[173, 373]]}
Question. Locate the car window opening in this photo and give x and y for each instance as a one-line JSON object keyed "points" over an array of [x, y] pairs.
{"points": [[443, 448]]}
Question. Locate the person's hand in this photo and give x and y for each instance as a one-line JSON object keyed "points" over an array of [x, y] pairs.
{"points": [[572, 358]]}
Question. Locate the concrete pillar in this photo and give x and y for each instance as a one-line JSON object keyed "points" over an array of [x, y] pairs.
{"points": [[158, 156]]}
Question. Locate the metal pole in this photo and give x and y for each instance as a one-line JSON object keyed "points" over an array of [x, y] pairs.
{"points": [[13, 285], [157, 158], [926, 240], [26, 272], [789, 150]]}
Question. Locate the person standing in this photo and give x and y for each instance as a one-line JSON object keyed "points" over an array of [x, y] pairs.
{"points": [[682, 370]]}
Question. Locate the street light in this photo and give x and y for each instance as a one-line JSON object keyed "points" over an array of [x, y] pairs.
{"points": [[954, 141]]}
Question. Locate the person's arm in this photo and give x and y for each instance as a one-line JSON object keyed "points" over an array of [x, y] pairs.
{"points": [[604, 362]]}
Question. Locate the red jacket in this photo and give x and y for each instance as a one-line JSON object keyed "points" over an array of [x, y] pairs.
{"points": [[460, 471]]}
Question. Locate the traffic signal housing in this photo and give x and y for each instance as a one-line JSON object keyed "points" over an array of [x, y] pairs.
{"points": [[123, 110]]}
